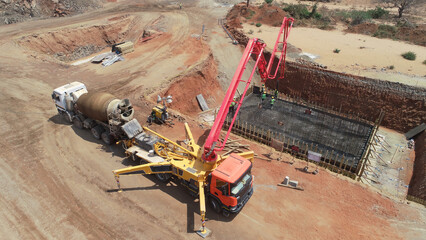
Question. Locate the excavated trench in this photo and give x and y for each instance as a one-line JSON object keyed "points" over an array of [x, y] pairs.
{"points": [[404, 106], [74, 43]]}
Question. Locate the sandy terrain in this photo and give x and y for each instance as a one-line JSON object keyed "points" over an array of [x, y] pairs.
{"points": [[57, 180], [359, 54]]}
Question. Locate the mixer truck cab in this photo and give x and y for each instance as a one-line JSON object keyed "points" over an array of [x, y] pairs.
{"points": [[64, 96], [231, 185]]}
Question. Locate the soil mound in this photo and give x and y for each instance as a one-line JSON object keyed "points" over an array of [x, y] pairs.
{"points": [[264, 14], [201, 80]]}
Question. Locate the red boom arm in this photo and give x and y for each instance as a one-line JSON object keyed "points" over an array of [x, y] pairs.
{"points": [[254, 47]]}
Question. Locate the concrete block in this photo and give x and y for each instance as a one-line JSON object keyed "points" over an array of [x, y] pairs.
{"points": [[293, 183], [286, 180]]}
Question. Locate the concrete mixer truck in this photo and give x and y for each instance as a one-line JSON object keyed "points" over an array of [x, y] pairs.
{"points": [[107, 117]]}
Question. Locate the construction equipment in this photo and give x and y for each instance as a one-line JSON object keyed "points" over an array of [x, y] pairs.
{"points": [[225, 182], [159, 113], [102, 113]]}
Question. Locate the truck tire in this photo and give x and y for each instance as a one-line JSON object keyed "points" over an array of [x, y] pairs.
{"points": [[215, 204], [66, 116], [107, 138], [77, 123], [96, 132], [163, 177]]}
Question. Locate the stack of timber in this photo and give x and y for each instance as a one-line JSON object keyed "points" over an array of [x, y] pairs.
{"points": [[125, 48]]}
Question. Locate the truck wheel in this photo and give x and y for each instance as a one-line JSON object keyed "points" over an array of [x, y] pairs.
{"points": [[77, 123], [163, 177], [215, 205], [96, 132], [66, 116], [107, 138], [226, 213]]}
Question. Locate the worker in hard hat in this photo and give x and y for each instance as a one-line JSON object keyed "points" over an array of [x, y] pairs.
{"points": [[272, 101], [263, 96], [263, 88], [276, 93], [232, 107]]}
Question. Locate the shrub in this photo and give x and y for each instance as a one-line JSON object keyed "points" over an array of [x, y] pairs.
{"points": [[258, 24], [250, 32], [269, 1], [359, 17], [298, 11], [409, 56], [385, 31], [391, 67], [424, 62], [354, 17], [336, 50], [378, 12]]}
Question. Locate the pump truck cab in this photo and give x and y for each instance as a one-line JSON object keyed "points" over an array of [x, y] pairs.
{"points": [[231, 185]]}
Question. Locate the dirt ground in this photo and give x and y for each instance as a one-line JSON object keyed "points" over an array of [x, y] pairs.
{"points": [[57, 180]]}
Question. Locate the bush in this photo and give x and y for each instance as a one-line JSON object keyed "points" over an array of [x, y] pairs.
{"points": [[269, 1], [250, 32], [359, 17], [409, 56], [385, 31], [424, 62], [391, 67], [298, 11], [336, 50], [258, 24], [378, 12]]}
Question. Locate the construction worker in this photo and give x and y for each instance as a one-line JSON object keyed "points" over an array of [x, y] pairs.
{"points": [[276, 93], [263, 96], [263, 88], [232, 108], [272, 101], [180, 5]]}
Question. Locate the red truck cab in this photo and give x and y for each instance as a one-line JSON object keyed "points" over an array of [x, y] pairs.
{"points": [[231, 185]]}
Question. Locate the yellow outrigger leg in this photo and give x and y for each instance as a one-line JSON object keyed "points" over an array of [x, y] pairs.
{"points": [[203, 232]]}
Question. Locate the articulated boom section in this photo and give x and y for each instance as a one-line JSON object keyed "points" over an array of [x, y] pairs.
{"points": [[254, 47], [284, 31]]}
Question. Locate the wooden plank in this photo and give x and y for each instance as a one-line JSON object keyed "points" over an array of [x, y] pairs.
{"points": [[202, 102]]}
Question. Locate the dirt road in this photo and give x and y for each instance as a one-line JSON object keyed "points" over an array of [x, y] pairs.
{"points": [[57, 180]]}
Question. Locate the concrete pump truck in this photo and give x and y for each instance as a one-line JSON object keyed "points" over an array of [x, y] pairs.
{"points": [[225, 182]]}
